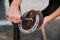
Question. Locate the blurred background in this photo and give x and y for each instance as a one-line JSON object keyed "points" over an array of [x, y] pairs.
{"points": [[6, 28]]}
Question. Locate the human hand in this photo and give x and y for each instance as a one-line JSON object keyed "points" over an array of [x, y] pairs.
{"points": [[51, 17], [14, 15], [46, 21]]}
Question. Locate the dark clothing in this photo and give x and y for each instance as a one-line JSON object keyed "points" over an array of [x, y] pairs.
{"points": [[53, 5]]}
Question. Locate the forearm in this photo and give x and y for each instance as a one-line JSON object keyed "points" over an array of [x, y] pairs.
{"points": [[51, 17], [14, 13], [55, 14], [16, 3]]}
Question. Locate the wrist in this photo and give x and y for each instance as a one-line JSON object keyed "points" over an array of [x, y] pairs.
{"points": [[16, 4], [14, 7], [52, 17]]}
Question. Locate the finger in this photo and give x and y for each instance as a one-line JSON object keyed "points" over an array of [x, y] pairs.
{"points": [[16, 20], [9, 18], [43, 25]]}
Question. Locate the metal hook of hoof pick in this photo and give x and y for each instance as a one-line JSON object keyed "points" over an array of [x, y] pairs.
{"points": [[24, 18]]}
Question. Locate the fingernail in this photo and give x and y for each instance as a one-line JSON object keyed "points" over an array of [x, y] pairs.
{"points": [[7, 17]]}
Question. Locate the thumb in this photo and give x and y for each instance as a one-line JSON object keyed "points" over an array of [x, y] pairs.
{"points": [[43, 25]]}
